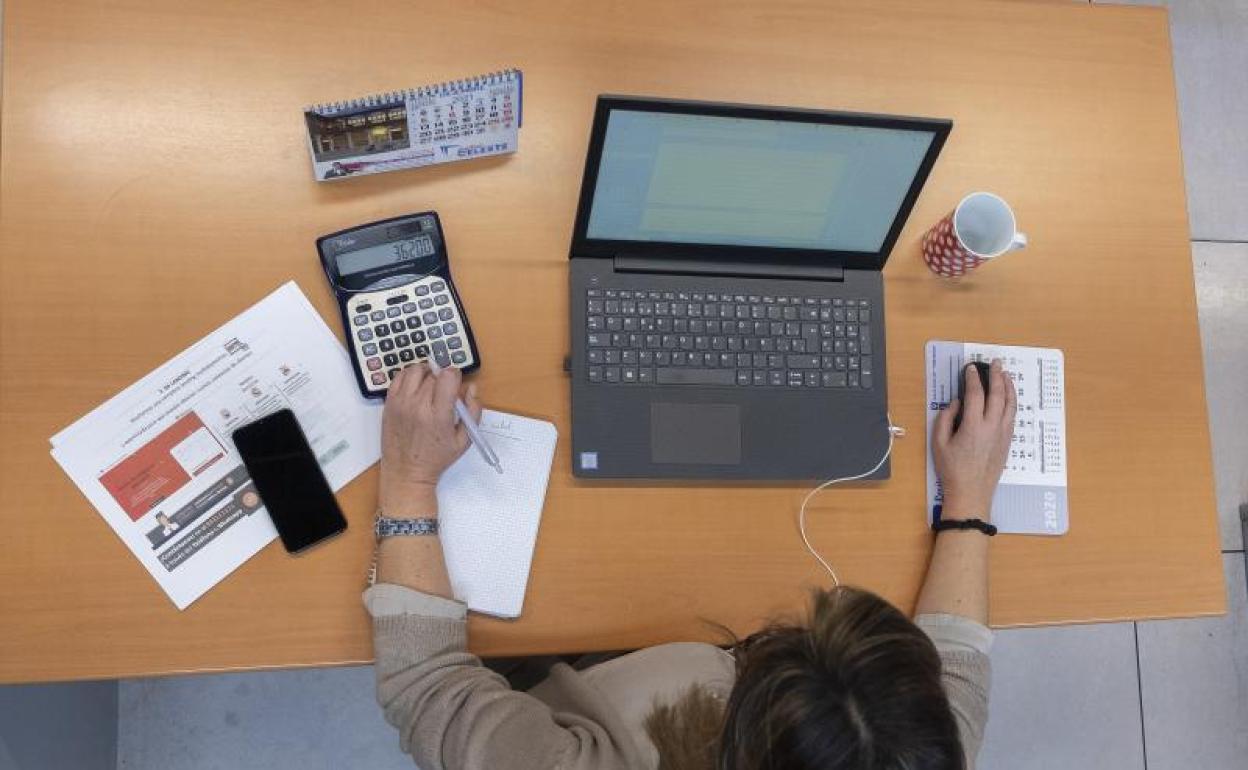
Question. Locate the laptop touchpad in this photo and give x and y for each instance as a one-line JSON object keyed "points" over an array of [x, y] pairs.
{"points": [[695, 434]]}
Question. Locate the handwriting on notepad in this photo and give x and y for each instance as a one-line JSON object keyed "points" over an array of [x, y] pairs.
{"points": [[497, 421]]}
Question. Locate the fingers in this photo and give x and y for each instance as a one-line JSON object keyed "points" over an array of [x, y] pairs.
{"points": [[470, 401], [1011, 404], [942, 429], [445, 391], [411, 378], [973, 411], [994, 406], [422, 397], [399, 397]]}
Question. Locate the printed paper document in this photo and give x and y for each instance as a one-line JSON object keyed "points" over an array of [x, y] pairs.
{"points": [[157, 460]]}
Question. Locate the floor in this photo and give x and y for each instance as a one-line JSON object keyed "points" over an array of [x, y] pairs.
{"points": [[1163, 695]]}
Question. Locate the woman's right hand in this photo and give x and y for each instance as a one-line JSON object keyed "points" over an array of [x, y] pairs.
{"points": [[420, 437], [969, 461]]}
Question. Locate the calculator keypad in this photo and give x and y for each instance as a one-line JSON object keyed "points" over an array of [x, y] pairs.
{"points": [[395, 328]]}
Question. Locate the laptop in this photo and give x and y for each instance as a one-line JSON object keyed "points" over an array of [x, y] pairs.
{"points": [[727, 299]]}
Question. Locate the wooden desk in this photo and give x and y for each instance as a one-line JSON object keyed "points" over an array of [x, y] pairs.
{"points": [[156, 182]]}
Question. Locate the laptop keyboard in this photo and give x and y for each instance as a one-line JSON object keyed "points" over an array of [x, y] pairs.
{"points": [[638, 337]]}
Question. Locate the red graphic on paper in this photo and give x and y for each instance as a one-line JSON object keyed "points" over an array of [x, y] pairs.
{"points": [[147, 477], [945, 254]]}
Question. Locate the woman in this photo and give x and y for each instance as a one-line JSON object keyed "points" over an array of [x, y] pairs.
{"points": [[858, 685]]}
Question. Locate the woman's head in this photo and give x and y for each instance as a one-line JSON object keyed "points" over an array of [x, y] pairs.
{"points": [[858, 687]]}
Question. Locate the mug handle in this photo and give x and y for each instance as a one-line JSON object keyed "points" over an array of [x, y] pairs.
{"points": [[1019, 242]]}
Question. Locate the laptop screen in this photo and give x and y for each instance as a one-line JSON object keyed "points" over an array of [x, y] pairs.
{"points": [[733, 181]]}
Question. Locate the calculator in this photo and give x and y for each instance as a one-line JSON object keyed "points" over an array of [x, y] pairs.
{"points": [[392, 279]]}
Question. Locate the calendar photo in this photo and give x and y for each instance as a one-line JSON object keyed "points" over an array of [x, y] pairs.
{"points": [[340, 141]]}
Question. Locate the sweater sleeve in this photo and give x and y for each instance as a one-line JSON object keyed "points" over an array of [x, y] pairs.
{"points": [[966, 672], [452, 713]]}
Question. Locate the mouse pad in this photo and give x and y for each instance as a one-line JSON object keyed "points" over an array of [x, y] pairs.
{"points": [[695, 434], [1031, 498]]}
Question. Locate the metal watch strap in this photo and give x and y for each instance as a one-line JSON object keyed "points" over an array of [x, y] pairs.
{"points": [[387, 527], [384, 526], [964, 524]]}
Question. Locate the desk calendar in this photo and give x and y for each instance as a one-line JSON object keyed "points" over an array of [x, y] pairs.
{"points": [[1031, 498], [457, 120]]}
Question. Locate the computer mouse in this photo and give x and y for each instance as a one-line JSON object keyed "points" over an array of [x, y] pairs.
{"points": [[983, 369]]}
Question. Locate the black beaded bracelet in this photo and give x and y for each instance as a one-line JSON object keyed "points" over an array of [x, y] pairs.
{"points": [[965, 524]]}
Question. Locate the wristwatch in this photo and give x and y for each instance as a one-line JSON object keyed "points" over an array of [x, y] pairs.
{"points": [[383, 526]]}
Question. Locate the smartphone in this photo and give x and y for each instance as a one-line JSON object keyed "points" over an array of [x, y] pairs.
{"points": [[289, 480]]}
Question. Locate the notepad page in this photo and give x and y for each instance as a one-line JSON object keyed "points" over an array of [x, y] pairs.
{"points": [[489, 521]]}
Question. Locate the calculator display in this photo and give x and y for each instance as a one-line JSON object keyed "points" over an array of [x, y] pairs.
{"points": [[385, 254]]}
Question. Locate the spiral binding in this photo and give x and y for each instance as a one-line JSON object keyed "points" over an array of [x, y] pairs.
{"points": [[445, 88]]}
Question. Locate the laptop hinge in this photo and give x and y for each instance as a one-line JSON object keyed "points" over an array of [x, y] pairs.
{"points": [[629, 263]]}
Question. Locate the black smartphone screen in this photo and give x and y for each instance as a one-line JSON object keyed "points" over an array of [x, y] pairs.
{"points": [[289, 480]]}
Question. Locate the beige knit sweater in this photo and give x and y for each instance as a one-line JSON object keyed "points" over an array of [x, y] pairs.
{"points": [[454, 714]]}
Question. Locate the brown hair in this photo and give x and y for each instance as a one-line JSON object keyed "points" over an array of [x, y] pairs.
{"points": [[857, 687]]}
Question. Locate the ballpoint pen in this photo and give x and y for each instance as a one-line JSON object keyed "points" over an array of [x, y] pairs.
{"points": [[470, 425]]}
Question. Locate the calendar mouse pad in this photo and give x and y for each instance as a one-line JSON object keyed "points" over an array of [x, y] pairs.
{"points": [[1031, 498]]}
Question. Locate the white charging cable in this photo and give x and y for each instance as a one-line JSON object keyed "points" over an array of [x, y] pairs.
{"points": [[893, 432]]}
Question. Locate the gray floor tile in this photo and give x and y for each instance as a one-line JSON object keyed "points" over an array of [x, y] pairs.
{"points": [[314, 719], [1210, 39], [1064, 697], [1222, 295], [1194, 677], [61, 725], [1210, 43]]}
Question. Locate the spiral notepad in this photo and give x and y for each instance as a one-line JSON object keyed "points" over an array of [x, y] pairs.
{"points": [[456, 120], [489, 521]]}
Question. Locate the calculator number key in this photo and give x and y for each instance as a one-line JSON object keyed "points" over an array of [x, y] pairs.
{"points": [[413, 324]]}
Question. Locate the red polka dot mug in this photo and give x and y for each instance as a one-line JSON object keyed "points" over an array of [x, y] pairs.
{"points": [[981, 227]]}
